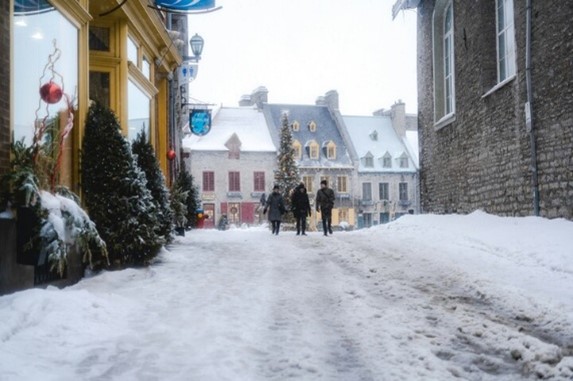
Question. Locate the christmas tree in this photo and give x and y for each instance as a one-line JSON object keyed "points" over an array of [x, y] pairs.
{"points": [[145, 156], [286, 175], [184, 181], [115, 191]]}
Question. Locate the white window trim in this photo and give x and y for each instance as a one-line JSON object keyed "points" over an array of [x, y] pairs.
{"points": [[508, 33]]}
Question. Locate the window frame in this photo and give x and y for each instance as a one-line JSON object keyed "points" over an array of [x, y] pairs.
{"points": [[208, 183], [507, 62], [367, 191], [384, 190], [234, 181], [342, 184], [258, 181], [403, 191]]}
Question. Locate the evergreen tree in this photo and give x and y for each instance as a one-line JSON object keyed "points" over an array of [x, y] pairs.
{"points": [[145, 156], [115, 191], [185, 182], [287, 176]]}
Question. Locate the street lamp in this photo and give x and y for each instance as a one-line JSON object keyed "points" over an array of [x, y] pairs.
{"points": [[197, 44]]}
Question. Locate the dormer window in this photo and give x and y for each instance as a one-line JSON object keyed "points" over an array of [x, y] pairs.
{"points": [[313, 150], [368, 160], [387, 160], [329, 150], [403, 160], [297, 147], [312, 126], [374, 135], [296, 126]]}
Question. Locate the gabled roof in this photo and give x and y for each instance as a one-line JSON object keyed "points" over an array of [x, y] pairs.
{"points": [[362, 128], [326, 131], [242, 124]]}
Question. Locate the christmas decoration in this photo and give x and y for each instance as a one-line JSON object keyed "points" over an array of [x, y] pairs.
{"points": [[287, 175], [171, 155], [51, 92]]}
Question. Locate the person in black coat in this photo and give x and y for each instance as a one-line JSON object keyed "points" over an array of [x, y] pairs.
{"points": [[276, 207], [300, 208], [324, 205]]}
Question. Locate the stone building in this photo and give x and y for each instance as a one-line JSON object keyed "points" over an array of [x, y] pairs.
{"points": [[232, 165], [495, 101]]}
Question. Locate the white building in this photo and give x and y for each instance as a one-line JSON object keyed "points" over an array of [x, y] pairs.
{"points": [[387, 181], [232, 165]]}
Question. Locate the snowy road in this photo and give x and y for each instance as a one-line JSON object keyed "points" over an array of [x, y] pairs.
{"points": [[247, 305]]}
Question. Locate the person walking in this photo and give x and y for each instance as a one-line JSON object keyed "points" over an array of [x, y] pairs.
{"points": [[324, 205], [276, 207], [300, 208]]}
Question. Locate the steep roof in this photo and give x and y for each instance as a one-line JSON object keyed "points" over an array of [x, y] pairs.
{"points": [[375, 136], [248, 124], [326, 131]]}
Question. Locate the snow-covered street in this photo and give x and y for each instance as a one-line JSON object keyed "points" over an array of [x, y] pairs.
{"points": [[473, 297]]}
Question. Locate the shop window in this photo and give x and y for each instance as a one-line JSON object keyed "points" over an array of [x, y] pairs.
{"points": [[138, 104], [41, 31]]}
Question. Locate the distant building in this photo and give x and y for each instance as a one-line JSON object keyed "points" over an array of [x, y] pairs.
{"points": [[233, 165], [387, 181], [495, 101], [370, 162], [322, 152]]}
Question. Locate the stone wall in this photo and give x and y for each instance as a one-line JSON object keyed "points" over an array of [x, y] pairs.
{"points": [[482, 160], [5, 88]]}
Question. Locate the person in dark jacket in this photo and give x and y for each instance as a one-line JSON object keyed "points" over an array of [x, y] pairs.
{"points": [[276, 207], [300, 208], [324, 205]]}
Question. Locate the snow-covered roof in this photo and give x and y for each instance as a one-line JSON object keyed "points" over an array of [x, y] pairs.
{"points": [[247, 123], [375, 135]]}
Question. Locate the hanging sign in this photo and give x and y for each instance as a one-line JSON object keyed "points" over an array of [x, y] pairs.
{"points": [[200, 121], [185, 5], [30, 7]]}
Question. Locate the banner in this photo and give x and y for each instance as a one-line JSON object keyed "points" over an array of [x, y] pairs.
{"points": [[185, 5]]}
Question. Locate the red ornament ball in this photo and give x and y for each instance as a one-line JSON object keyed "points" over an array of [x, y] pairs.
{"points": [[51, 92], [171, 154]]}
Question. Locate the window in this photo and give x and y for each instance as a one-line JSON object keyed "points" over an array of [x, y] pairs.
{"points": [[296, 126], [505, 40], [259, 178], [139, 109], [208, 181], [404, 161], [132, 51], [443, 46], [331, 150], [374, 135], [368, 160], [367, 191], [312, 126], [307, 180], [37, 27], [146, 68], [387, 161], [342, 182], [403, 191], [313, 150], [297, 149], [234, 181], [99, 39], [383, 193]]}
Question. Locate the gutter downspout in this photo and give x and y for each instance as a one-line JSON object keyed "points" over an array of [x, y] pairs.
{"points": [[528, 111]]}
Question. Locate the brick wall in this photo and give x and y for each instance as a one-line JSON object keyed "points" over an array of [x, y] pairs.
{"points": [[482, 160], [5, 88]]}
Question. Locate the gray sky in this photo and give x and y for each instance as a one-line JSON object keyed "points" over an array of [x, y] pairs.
{"points": [[300, 49]]}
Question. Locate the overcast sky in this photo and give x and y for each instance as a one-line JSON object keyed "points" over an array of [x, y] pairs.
{"points": [[300, 49]]}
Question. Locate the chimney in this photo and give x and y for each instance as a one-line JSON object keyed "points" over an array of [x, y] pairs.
{"points": [[331, 98], [259, 96], [245, 101], [320, 101], [398, 115]]}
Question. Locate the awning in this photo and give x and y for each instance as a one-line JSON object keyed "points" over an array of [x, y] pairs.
{"points": [[31, 7], [185, 5]]}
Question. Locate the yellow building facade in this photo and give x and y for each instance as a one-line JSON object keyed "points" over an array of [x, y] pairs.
{"points": [[120, 53]]}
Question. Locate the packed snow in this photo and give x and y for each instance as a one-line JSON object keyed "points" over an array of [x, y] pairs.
{"points": [[427, 297]]}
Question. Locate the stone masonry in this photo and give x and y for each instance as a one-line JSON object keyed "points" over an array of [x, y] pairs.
{"points": [[483, 159]]}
